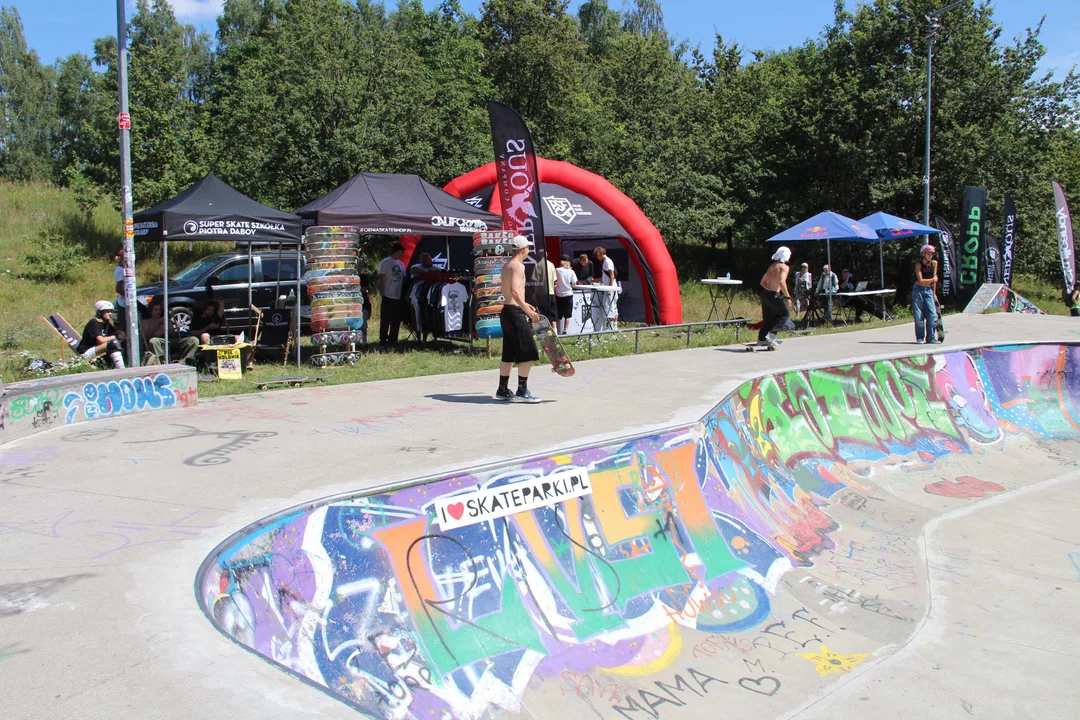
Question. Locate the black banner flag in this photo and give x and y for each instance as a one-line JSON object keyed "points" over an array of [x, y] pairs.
{"points": [[972, 242], [519, 197], [948, 257], [1010, 241], [993, 258]]}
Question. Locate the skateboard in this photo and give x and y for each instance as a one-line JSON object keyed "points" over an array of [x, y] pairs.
{"points": [[334, 358], [549, 341], [939, 326], [293, 381], [353, 295], [316, 264], [339, 284], [332, 230], [754, 347], [340, 337]]}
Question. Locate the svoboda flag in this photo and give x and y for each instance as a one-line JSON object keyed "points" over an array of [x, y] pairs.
{"points": [[948, 257], [1066, 249], [1010, 241], [518, 187]]}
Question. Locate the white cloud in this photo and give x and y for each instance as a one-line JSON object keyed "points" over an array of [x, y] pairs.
{"points": [[197, 9]]}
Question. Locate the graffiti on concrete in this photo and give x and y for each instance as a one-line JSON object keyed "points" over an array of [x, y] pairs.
{"points": [[684, 539], [964, 486], [120, 397]]}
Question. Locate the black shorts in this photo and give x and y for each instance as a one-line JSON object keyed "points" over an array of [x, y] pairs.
{"points": [[519, 344], [565, 306]]}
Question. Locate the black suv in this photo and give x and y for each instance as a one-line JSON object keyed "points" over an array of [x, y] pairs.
{"points": [[228, 274]]}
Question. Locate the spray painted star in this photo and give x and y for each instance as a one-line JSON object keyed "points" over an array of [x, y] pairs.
{"points": [[827, 662]]}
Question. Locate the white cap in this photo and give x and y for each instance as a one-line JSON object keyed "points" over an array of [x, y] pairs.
{"points": [[782, 254], [103, 305], [519, 241]]}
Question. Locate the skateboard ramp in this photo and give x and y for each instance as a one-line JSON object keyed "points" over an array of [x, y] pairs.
{"points": [[749, 560]]}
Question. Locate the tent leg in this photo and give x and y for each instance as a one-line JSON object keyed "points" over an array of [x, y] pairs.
{"points": [[881, 261], [165, 284], [299, 303], [247, 328], [489, 348]]}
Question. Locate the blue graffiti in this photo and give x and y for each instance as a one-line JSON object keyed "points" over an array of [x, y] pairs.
{"points": [[120, 397]]}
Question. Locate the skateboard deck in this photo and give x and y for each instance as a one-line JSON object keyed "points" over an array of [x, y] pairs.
{"points": [[754, 347], [939, 326], [340, 337], [340, 284], [332, 230], [354, 295], [549, 341], [334, 358], [293, 381]]}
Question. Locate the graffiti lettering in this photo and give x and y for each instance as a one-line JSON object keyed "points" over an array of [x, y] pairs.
{"points": [[120, 397]]}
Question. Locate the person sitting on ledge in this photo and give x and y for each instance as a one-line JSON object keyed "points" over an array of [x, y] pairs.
{"points": [[100, 337], [182, 349]]}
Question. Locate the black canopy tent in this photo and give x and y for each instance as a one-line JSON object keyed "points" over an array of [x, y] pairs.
{"points": [[213, 210], [387, 204]]}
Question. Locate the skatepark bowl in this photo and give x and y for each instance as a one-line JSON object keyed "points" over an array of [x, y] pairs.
{"points": [[748, 560]]}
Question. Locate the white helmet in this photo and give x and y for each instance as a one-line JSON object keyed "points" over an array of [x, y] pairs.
{"points": [[103, 305]]}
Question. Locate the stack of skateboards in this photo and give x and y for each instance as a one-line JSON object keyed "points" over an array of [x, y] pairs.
{"points": [[333, 287], [491, 250]]}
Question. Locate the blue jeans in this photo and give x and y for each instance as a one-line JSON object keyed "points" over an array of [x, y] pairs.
{"points": [[924, 308]]}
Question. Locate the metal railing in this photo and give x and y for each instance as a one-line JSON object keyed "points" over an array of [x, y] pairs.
{"points": [[601, 335]]}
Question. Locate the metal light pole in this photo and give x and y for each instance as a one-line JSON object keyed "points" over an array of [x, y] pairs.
{"points": [[124, 122], [932, 20]]}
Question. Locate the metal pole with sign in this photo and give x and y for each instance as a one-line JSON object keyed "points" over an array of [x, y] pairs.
{"points": [[124, 121], [935, 25]]}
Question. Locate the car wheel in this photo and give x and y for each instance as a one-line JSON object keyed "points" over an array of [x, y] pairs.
{"points": [[181, 317]]}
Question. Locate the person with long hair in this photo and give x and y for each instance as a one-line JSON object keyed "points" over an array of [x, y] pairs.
{"points": [[923, 296]]}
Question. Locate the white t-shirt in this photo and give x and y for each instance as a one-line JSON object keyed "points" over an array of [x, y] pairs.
{"points": [[454, 301], [564, 282], [118, 276], [607, 267], [394, 271]]}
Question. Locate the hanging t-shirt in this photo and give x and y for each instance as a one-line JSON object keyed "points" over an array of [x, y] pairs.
{"points": [[564, 282], [607, 271], [455, 298], [394, 271]]}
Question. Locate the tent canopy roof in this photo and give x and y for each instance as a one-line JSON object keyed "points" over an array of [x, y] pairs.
{"points": [[387, 204], [567, 214], [211, 209], [891, 227], [827, 226]]}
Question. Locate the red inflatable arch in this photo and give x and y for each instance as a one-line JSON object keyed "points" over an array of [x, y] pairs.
{"points": [[643, 234]]}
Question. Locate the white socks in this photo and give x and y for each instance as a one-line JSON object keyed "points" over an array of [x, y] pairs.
{"points": [[117, 360]]}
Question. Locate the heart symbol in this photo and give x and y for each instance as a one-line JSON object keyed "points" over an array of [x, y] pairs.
{"points": [[456, 510], [766, 685]]}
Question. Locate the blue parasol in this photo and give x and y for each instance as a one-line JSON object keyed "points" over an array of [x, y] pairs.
{"points": [[827, 226], [890, 227]]}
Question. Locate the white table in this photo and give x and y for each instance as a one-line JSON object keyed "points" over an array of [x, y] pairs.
{"points": [[594, 305], [716, 288], [876, 297]]}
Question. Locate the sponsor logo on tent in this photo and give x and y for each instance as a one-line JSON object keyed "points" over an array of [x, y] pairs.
{"points": [[464, 225], [563, 209], [229, 227], [816, 231], [142, 228], [191, 227], [476, 201]]}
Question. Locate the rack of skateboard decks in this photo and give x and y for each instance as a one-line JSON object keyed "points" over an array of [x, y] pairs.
{"points": [[490, 250], [333, 285]]}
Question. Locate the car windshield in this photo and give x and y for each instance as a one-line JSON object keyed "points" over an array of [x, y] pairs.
{"points": [[196, 270]]}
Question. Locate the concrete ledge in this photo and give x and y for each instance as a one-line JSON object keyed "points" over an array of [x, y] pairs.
{"points": [[34, 405]]}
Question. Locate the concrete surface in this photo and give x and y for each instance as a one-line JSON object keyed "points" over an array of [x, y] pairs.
{"points": [[105, 526], [31, 406]]}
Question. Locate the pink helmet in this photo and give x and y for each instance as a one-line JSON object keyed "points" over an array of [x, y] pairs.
{"points": [[928, 249]]}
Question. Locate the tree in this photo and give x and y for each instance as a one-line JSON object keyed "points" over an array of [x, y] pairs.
{"points": [[28, 120]]}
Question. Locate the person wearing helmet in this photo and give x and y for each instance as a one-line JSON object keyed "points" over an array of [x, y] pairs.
{"points": [[923, 296], [100, 337], [774, 298]]}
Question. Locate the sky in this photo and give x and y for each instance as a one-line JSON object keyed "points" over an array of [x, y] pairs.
{"points": [[56, 28]]}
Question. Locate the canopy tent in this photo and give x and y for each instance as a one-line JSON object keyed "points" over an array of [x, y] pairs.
{"points": [[386, 204], [890, 227], [213, 210], [827, 226], [581, 206]]}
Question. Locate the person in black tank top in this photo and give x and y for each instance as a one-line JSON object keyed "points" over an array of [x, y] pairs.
{"points": [[923, 300]]}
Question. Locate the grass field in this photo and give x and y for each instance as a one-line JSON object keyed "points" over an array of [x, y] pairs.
{"points": [[55, 258]]}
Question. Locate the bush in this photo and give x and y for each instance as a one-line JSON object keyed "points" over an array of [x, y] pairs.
{"points": [[53, 260]]}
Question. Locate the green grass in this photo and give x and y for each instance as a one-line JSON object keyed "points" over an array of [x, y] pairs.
{"points": [[31, 214]]}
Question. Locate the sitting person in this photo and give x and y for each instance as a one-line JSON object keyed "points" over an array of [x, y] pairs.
{"points": [[182, 349], [858, 304], [100, 337], [210, 322]]}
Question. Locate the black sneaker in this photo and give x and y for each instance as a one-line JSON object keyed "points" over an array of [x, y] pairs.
{"points": [[525, 397], [504, 394]]}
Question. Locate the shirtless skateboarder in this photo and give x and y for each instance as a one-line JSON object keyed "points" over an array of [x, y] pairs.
{"points": [[516, 318], [774, 298]]}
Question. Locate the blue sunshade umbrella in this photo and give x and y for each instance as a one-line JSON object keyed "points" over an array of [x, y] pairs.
{"points": [[890, 227], [827, 226]]}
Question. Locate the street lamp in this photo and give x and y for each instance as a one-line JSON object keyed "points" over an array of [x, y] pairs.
{"points": [[935, 25]]}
